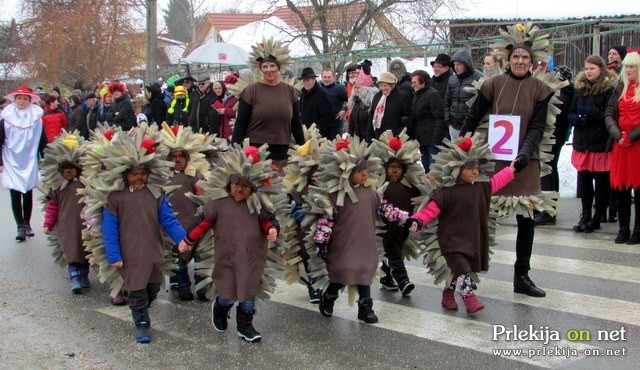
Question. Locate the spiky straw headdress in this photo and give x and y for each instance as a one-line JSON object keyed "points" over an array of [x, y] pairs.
{"points": [[269, 50], [444, 173], [337, 160], [249, 163], [525, 36], [65, 149], [195, 146], [125, 151], [389, 147], [303, 161]]}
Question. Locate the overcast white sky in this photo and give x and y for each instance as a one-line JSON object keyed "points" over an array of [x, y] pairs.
{"points": [[476, 8]]}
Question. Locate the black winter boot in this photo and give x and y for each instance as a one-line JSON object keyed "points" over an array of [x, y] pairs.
{"points": [[84, 276], [246, 330], [401, 277], [326, 304], [22, 234], [387, 280], [585, 216], [365, 311], [523, 284], [219, 316], [183, 281], [143, 325], [635, 236], [623, 236]]}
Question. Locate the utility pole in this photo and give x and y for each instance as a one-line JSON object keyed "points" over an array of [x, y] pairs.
{"points": [[152, 41]]}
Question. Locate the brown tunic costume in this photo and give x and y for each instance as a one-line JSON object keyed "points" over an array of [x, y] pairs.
{"points": [[184, 208], [352, 255], [509, 95], [140, 236], [240, 248], [69, 223], [400, 196], [464, 244], [272, 109]]}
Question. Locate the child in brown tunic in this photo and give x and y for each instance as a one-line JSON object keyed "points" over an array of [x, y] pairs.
{"points": [[352, 257], [186, 211], [464, 244], [132, 221], [399, 195], [63, 214], [240, 253]]}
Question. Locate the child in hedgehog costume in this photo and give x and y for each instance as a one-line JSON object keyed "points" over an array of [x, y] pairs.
{"points": [[302, 165], [61, 171], [530, 97], [237, 195], [346, 200], [133, 215], [186, 151], [404, 181], [464, 196]]}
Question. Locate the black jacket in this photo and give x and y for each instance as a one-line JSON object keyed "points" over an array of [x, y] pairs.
{"points": [[314, 107], [338, 98], [178, 115], [455, 101], [76, 118], [91, 121], [396, 113], [202, 116], [121, 113], [441, 82], [587, 117], [156, 110], [427, 117]]}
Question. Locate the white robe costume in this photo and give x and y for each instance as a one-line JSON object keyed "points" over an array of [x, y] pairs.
{"points": [[22, 129]]}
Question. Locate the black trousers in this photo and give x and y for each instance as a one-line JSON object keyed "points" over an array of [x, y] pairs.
{"points": [[21, 205], [524, 244], [624, 208], [141, 299]]}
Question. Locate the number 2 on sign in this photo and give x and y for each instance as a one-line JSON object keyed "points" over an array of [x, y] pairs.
{"points": [[504, 134], [508, 132]]}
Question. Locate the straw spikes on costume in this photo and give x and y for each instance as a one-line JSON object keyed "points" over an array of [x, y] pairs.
{"points": [[265, 49]]}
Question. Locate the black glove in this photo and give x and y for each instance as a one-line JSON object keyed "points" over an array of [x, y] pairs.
{"points": [[522, 160], [321, 250], [412, 221]]}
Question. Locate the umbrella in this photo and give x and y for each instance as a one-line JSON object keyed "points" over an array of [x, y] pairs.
{"points": [[220, 53]]}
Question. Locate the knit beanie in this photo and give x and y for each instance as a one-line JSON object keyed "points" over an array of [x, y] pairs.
{"points": [[621, 49], [364, 80]]}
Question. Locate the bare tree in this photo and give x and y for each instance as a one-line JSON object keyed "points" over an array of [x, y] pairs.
{"points": [[336, 26], [80, 43]]}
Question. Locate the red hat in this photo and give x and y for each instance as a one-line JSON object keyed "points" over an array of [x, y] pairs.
{"points": [[230, 80], [364, 80], [23, 90]]}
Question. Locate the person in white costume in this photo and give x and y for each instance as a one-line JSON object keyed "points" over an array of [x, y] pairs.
{"points": [[21, 139]]}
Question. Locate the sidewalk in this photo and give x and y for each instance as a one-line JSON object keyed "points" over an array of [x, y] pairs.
{"points": [[568, 215]]}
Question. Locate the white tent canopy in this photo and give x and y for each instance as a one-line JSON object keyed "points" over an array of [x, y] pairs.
{"points": [[221, 53]]}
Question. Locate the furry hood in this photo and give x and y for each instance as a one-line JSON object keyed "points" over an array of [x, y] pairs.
{"points": [[585, 87]]}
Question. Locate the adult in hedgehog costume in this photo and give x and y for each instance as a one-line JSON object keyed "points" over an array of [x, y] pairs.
{"points": [[236, 196], [519, 92], [61, 171]]}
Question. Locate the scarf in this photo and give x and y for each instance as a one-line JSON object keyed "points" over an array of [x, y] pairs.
{"points": [[378, 114]]}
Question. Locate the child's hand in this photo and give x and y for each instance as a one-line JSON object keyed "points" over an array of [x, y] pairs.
{"points": [[512, 166], [273, 234], [117, 265], [183, 247], [45, 230], [414, 224]]}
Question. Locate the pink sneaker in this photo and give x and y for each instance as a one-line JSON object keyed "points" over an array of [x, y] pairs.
{"points": [[473, 304], [449, 300]]}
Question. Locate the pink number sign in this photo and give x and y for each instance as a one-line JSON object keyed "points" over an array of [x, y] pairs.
{"points": [[504, 132]]}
